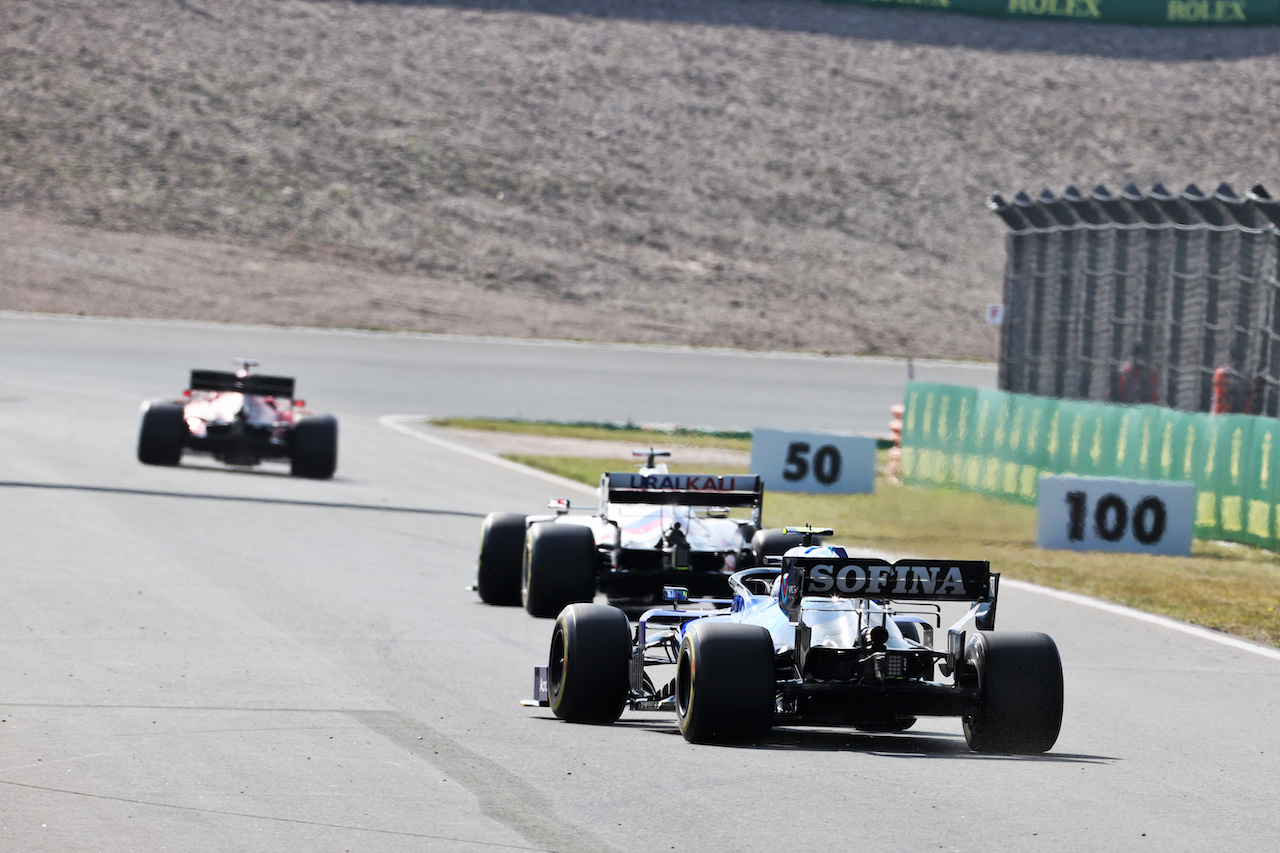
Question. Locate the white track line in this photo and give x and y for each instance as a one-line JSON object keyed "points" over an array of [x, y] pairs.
{"points": [[397, 423], [1151, 618]]}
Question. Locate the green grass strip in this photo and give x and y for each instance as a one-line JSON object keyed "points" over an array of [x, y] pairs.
{"points": [[642, 436]]}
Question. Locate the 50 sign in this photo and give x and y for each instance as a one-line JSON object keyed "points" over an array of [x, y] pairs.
{"points": [[1105, 514], [825, 468], [814, 462]]}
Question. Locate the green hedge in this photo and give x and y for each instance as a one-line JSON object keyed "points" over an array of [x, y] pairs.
{"points": [[999, 444], [1148, 12]]}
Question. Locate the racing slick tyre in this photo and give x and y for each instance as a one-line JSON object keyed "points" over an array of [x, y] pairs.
{"points": [[588, 671], [558, 569], [315, 447], [772, 542], [1019, 675], [725, 682], [163, 433], [501, 548]]}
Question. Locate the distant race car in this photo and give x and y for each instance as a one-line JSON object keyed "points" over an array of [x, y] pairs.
{"points": [[239, 418], [651, 528], [826, 638]]}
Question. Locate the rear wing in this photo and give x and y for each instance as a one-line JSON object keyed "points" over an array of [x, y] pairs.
{"points": [[254, 383], [905, 580], [737, 490]]}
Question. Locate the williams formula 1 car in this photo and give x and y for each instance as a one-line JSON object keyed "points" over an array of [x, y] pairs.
{"points": [[824, 639], [241, 419], [652, 528]]}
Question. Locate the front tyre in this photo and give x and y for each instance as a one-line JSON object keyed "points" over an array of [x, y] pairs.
{"points": [[1020, 684], [315, 447], [587, 674], [501, 549], [163, 434], [559, 567], [725, 682]]}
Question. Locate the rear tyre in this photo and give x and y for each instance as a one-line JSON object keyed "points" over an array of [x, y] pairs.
{"points": [[501, 549], [588, 670], [164, 432], [725, 682], [1020, 681], [558, 568], [772, 542], [315, 447]]}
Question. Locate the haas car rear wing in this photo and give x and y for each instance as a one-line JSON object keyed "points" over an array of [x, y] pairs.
{"points": [[254, 383], [742, 490]]}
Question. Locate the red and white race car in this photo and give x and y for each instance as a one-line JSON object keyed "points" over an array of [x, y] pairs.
{"points": [[241, 419]]}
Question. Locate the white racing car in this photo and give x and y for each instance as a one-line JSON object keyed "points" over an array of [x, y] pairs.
{"points": [[652, 528], [824, 639]]}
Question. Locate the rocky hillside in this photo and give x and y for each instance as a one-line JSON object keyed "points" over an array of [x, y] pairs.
{"points": [[780, 175]]}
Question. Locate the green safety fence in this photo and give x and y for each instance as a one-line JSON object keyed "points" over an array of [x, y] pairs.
{"points": [[1147, 12], [998, 444]]}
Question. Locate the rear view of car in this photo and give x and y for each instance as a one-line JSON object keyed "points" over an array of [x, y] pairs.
{"points": [[239, 419], [825, 638], [652, 528]]}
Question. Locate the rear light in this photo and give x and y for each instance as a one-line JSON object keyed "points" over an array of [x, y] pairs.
{"points": [[680, 558], [908, 666], [298, 404], [186, 393]]}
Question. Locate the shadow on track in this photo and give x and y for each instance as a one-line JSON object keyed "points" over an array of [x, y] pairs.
{"points": [[926, 27], [901, 745], [199, 496]]}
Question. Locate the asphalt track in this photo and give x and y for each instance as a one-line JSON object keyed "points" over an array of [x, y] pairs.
{"points": [[204, 659]]}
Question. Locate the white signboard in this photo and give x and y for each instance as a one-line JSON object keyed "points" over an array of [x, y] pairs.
{"points": [[995, 315], [1109, 514], [814, 461]]}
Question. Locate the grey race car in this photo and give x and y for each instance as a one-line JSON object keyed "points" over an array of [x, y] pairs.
{"points": [[652, 528]]}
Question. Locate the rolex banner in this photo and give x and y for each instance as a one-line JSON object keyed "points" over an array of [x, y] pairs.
{"points": [[998, 444], [1150, 12]]}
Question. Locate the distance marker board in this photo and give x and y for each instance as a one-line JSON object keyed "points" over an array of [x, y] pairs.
{"points": [[814, 461], [1110, 514]]}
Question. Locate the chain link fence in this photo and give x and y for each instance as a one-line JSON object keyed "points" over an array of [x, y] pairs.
{"points": [[1137, 297]]}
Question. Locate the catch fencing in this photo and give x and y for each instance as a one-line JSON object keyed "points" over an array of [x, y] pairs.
{"points": [[998, 444], [1161, 298]]}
